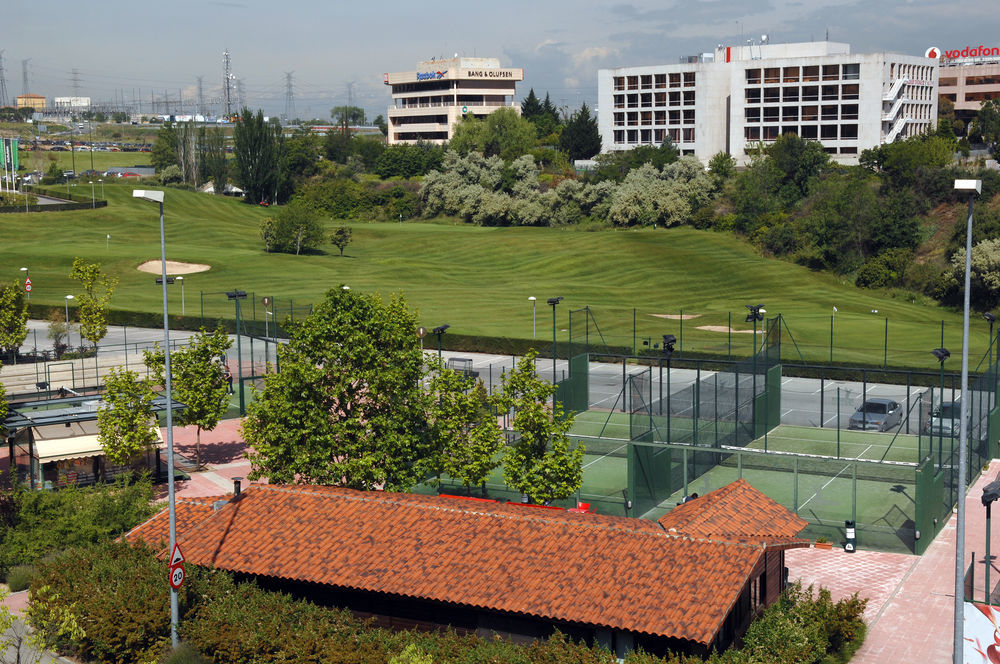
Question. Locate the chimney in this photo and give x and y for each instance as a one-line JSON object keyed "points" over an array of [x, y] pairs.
{"points": [[236, 486]]}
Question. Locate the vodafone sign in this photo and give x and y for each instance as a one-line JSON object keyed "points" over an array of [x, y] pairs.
{"points": [[968, 52]]}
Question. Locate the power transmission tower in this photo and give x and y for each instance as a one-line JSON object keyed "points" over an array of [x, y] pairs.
{"points": [[3, 83], [289, 98], [227, 83], [240, 97], [24, 76], [75, 77]]}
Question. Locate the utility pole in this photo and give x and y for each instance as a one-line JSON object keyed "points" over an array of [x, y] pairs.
{"points": [[3, 83], [289, 98], [201, 97], [227, 82], [24, 76]]}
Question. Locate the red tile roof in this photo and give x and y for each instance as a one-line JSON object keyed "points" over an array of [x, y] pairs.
{"points": [[188, 512], [736, 512], [613, 572]]}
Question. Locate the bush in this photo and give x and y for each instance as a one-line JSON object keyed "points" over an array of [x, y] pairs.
{"points": [[185, 654], [886, 269], [19, 577]]}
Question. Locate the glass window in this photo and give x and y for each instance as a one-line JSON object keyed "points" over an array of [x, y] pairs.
{"points": [[770, 133], [772, 95], [675, 80], [660, 117], [633, 136], [828, 132], [689, 97], [753, 76], [633, 82], [810, 93], [647, 81], [687, 135], [852, 72], [849, 131], [852, 149], [645, 136], [619, 101], [660, 80], [753, 95], [791, 75], [752, 113], [688, 116], [619, 136], [790, 94], [619, 82], [790, 113], [633, 101], [647, 99], [689, 79], [674, 117], [830, 112], [831, 72], [830, 93], [772, 75], [751, 133], [789, 129], [658, 135], [647, 117], [675, 99], [633, 118], [982, 80], [810, 73], [849, 91], [849, 112], [809, 131], [660, 99], [810, 113], [948, 81], [619, 118], [771, 114]]}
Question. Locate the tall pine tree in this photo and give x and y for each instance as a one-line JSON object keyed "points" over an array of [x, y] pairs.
{"points": [[580, 138]]}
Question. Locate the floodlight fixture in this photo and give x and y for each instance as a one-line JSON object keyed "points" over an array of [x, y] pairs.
{"points": [[236, 294], [159, 280], [440, 329], [553, 301]]}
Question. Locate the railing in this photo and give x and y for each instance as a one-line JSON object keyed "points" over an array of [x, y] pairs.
{"points": [[888, 117], [897, 85]]}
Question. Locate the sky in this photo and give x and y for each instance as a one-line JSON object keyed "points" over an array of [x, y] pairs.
{"points": [[336, 52]]}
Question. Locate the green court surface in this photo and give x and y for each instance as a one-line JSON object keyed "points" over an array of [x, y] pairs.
{"points": [[847, 444]]}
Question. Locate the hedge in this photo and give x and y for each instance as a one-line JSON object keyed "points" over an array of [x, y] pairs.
{"points": [[120, 598]]}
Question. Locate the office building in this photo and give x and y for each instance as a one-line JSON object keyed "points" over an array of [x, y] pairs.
{"points": [[968, 77]]}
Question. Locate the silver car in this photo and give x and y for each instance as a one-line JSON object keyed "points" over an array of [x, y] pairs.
{"points": [[877, 414]]}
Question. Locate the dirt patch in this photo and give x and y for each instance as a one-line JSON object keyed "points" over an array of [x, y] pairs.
{"points": [[677, 316], [724, 328], [173, 267]]}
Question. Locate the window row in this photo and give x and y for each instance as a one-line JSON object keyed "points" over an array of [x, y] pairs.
{"points": [[654, 136], [845, 132], [847, 72], [634, 118], [919, 72], [655, 81], [805, 93], [419, 119], [804, 113], [952, 81], [650, 99]]}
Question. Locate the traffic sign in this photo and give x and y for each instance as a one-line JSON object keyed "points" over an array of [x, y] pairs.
{"points": [[176, 576], [176, 558], [27, 285]]}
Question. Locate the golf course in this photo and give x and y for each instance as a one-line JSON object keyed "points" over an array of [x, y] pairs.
{"points": [[638, 284]]}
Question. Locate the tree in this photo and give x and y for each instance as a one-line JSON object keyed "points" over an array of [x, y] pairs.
{"points": [[540, 463], [380, 122], [580, 138], [988, 125], [297, 226], [164, 150], [341, 237], [125, 417], [197, 380], [3, 412], [531, 107], [256, 157], [463, 428], [722, 166], [13, 318], [347, 115], [801, 161], [214, 160], [95, 299], [58, 332], [502, 133], [347, 407]]}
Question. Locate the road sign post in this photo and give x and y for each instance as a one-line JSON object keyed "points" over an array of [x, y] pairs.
{"points": [[176, 576], [27, 285]]}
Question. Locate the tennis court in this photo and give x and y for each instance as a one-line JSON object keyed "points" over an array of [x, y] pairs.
{"points": [[844, 443]]}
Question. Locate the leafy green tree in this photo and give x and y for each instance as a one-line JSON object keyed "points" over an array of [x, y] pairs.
{"points": [[196, 380], [348, 115], [722, 166], [463, 428], [530, 106], [984, 281], [297, 226], [4, 406], [382, 125], [337, 146], [987, 125], [616, 165], [13, 318], [540, 463], [94, 301], [580, 138], [214, 160], [341, 237], [502, 133], [164, 151], [125, 416], [347, 407], [800, 162], [257, 152]]}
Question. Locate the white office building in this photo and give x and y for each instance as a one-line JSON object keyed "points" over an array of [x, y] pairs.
{"points": [[429, 101], [739, 96]]}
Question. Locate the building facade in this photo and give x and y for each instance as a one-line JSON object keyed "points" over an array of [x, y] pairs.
{"points": [[736, 98], [429, 101], [36, 102], [968, 77]]}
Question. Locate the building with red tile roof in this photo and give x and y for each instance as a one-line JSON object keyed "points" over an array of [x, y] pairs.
{"points": [[188, 513], [690, 584]]}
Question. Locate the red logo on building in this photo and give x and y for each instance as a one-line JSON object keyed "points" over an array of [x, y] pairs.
{"points": [[933, 52]]}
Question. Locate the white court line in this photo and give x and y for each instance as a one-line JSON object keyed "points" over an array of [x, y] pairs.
{"points": [[818, 491], [603, 456]]}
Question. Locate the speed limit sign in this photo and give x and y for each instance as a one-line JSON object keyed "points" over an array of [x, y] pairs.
{"points": [[176, 576]]}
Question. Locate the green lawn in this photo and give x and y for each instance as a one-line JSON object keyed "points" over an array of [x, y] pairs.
{"points": [[478, 279], [81, 161]]}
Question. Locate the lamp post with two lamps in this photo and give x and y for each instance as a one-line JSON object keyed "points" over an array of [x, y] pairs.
{"points": [[553, 301], [991, 319], [157, 197], [972, 188]]}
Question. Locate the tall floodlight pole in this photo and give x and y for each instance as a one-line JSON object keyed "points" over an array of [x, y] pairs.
{"points": [[237, 295], [553, 301], [181, 279], [157, 197], [532, 300], [972, 188]]}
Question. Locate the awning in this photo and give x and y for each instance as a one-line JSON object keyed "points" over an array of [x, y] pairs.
{"points": [[77, 447]]}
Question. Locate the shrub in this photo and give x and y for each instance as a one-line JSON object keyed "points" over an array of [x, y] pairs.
{"points": [[19, 577], [185, 654]]}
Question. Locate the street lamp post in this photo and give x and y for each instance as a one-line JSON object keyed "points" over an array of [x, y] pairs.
{"points": [[27, 277], [972, 188], [532, 300], [941, 354], [101, 180], [992, 319], [755, 312], [66, 302], [553, 301], [181, 279], [439, 331], [157, 197], [93, 198], [236, 296]]}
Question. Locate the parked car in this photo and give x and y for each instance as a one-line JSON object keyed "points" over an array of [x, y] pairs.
{"points": [[877, 414], [946, 420]]}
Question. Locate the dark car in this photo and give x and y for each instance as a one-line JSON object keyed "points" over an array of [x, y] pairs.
{"points": [[877, 414]]}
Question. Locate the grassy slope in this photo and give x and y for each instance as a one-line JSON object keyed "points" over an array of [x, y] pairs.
{"points": [[478, 279]]}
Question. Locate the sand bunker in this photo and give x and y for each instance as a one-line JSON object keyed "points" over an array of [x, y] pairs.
{"points": [[724, 328], [677, 316], [173, 267]]}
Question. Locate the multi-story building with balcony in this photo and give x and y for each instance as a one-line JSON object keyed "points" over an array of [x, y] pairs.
{"points": [[968, 77], [737, 98], [428, 102]]}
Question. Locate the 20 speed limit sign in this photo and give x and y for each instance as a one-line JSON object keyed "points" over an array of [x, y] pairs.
{"points": [[176, 576]]}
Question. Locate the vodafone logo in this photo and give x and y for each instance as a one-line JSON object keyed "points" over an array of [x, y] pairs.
{"points": [[933, 52], [967, 52]]}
